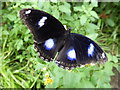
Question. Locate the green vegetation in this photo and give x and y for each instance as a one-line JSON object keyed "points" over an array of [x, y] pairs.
{"points": [[20, 66]]}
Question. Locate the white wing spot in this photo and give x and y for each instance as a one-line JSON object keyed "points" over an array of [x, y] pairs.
{"points": [[71, 54], [90, 49], [28, 12], [49, 44], [103, 55], [42, 21]]}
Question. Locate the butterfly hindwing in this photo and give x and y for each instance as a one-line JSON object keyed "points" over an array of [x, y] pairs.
{"points": [[48, 49], [79, 50]]}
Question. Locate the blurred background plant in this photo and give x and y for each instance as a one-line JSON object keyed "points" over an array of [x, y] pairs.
{"points": [[20, 66]]}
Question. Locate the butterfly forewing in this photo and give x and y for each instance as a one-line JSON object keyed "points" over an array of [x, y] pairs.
{"points": [[47, 32], [42, 25]]}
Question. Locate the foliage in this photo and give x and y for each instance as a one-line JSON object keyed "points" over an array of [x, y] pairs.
{"points": [[20, 65]]}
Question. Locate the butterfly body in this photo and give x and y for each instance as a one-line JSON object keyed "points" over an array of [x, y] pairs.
{"points": [[51, 37]]}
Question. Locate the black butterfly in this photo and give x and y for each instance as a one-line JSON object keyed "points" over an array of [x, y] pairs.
{"points": [[51, 37]]}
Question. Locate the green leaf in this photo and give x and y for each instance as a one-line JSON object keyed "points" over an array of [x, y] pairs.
{"points": [[76, 24], [67, 17], [84, 83], [46, 6], [83, 19], [39, 66], [108, 67], [19, 44], [65, 9], [90, 28], [5, 32], [110, 22], [69, 78], [115, 59], [11, 17], [78, 8], [94, 14], [93, 36], [57, 75], [67, 4], [92, 19], [117, 66], [112, 58], [100, 78], [56, 13], [94, 3], [26, 37]]}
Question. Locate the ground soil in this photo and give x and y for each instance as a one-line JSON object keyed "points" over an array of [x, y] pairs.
{"points": [[115, 80]]}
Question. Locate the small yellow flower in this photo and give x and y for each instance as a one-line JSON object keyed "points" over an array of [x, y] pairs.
{"points": [[48, 81], [87, 65], [91, 64]]}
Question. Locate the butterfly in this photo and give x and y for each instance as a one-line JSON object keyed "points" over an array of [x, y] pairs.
{"points": [[51, 38]]}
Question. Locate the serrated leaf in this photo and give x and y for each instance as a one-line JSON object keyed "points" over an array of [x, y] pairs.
{"points": [[94, 14], [83, 19]]}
